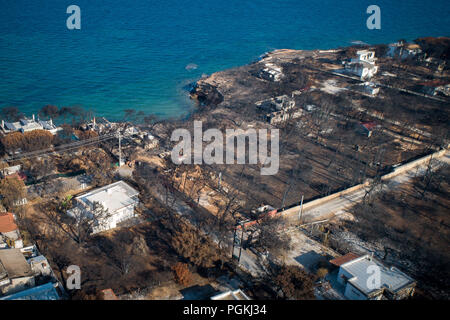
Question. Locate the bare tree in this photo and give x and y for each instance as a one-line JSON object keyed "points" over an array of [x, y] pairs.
{"points": [[301, 171], [269, 235], [41, 168], [78, 223]]}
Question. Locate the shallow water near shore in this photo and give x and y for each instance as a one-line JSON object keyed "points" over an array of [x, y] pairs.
{"points": [[142, 54]]}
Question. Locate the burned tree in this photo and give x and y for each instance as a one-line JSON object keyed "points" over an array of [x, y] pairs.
{"points": [[293, 282], [77, 223], [269, 236], [12, 190]]}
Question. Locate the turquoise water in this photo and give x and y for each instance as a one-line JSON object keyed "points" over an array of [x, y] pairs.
{"points": [[140, 54]]}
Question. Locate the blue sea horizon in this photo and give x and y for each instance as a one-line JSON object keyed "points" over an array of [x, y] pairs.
{"points": [[142, 54]]}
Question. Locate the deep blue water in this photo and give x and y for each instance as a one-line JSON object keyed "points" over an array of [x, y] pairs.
{"points": [[133, 54]]}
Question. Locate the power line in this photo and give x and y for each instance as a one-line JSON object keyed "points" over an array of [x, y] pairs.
{"points": [[63, 148]]}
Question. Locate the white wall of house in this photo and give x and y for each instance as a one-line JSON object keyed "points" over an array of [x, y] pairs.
{"points": [[18, 284], [343, 276], [364, 72], [352, 293], [116, 217], [122, 215]]}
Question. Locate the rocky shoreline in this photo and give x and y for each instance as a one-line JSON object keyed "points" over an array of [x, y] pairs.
{"points": [[285, 70]]}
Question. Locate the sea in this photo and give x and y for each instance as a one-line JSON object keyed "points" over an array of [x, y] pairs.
{"points": [[143, 54]]}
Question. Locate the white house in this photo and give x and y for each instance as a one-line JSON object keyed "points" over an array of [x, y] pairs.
{"points": [[40, 266], [119, 199], [15, 273], [11, 170], [369, 88], [367, 56], [363, 65], [231, 295], [403, 51], [271, 72], [26, 125], [9, 232], [359, 275]]}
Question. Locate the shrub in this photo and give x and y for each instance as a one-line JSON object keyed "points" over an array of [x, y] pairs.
{"points": [[12, 190], [182, 274], [322, 273], [295, 283]]}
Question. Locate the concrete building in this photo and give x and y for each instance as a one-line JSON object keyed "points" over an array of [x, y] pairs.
{"points": [[282, 116], [280, 103], [271, 72], [22, 268], [9, 232], [279, 109], [40, 266], [356, 274], [369, 88], [10, 170], [15, 272], [119, 199], [99, 125], [363, 65], [26, 125], [403, 51], [48, 291], [366, 56], [231, 295], [150, 141]]}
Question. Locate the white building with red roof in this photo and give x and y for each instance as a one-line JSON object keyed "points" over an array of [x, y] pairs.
{"points": [[9, 232]]}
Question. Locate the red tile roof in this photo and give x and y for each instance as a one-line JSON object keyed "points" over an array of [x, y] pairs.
{"points": [[17, 175], [369, 125], [344, 259], [7, 223], [108, 294]]}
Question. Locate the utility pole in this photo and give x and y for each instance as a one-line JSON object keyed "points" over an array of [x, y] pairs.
{"points": [[234, 241], [220, 179], [300, 213], [240, 245], [120, 150]]}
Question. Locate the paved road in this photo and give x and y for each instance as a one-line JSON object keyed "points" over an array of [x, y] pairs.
{"points": [[341, 204]]}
